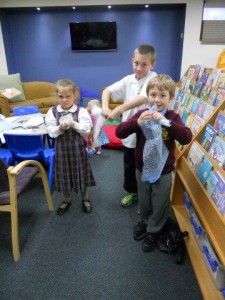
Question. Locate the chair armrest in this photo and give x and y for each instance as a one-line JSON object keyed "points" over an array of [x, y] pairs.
{"points": [[4, 106], [14, 171]]}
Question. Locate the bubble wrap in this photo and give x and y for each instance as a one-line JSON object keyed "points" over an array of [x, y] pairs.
{"points": [[155, 151]]}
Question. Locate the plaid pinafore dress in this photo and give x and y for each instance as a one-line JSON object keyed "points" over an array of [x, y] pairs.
{"points": [[72, 168]]}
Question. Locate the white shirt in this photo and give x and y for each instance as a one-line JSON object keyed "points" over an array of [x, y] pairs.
{"points": [[127, 89], [83, 126]]}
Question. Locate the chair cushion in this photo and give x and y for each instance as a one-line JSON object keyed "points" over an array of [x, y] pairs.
{"points": [[22, 180], [4, 183], [12, 81]]}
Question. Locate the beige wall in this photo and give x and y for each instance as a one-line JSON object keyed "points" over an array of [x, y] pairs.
{"points": [[193, 51]]}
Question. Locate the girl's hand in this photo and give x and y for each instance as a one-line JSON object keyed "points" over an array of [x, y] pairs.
{"points": [[63, 127]]}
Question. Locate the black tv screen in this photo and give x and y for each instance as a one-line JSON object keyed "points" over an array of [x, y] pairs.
{"points": [[93, 36]]}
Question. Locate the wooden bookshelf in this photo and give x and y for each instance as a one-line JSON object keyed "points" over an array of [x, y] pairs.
{"points": [[185, 179]]}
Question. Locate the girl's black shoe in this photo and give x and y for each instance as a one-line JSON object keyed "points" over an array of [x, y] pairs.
{"points": [[63, 207], [86, 204]]}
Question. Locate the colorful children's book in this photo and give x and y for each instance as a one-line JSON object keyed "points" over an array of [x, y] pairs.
{"points": [[182, 82], [209, 109], [204, 169], [195, 105], [204, 77], [195, 156], [195, 74], [220, 96], [198, 88], [192, 87], [177, 105], [204, 94], [180, 95], [184, 116], [200, 108], [217, 151], [190, 120], [208, 136], [212, 97], [211, 182], [196, 124], [190, 103], [219, 123], [218, 194], [190, 72], [186, 88], [213, 77], [221, 81]]}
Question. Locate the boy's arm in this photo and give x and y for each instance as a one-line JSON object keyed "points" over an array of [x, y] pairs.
{"points": [[106, 94], [135, 102]]}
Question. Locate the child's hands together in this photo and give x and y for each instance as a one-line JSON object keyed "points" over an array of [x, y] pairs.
{"points": [[148, 115]]}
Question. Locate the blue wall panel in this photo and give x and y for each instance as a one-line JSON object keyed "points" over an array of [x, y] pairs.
{"points": [[38, 43]]}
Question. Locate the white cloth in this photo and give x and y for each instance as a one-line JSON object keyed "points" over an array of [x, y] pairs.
{"points": [[127, 89], [83, 126]]}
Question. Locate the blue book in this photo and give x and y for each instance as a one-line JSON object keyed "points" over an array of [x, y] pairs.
{"points": [[218, 194], [219, 123], [195, 105], [211, 183], [208, 136], [204, 169]]}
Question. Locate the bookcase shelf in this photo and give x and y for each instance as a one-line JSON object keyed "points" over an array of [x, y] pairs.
{"points": [[186, 180]]}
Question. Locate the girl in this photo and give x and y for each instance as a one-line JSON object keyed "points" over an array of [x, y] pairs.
{"points": [[68, 124]]}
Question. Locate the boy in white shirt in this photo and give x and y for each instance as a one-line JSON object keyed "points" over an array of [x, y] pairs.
{"points": [[132, 89]]}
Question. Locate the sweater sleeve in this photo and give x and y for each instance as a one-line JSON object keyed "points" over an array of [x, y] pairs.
{"points": [[179, 131], [124, 129]]}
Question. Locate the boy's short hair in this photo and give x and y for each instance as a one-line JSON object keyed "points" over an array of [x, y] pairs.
{"points": [[146, 50], [162, 82]]}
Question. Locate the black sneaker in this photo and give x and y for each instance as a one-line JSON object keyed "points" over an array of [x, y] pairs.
{"points": [[149, 243], [139, 231]]}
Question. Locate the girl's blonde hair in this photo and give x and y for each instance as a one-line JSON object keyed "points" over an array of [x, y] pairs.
{"points": [[69, 84], [162, 82]]}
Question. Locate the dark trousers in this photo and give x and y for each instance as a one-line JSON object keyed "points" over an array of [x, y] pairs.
{"points": [[130, 182]]}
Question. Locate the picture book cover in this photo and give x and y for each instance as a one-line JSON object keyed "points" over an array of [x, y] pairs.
{"points": [[184, 116], [212, 97], [176, 92], [218, 194], [195, 74], [219, 123], [186, 88], [186, 99], [180, 111], [190, 120], [211, 182], [217, 151], [216, 74], [190, 72], [192, 86], [195, 156], [198, 88], [221, 81], [213, 77], [196, 124], [204, 77], [220, 96], [190, 102], [183, 82], [195, 105], [180, 95], [200, 108], [177, 105], [204, 94], [209, 109], [204, 169], [208, 136]]}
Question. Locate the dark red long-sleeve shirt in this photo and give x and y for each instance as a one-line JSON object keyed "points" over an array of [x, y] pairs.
{"points": [[177, 131]]}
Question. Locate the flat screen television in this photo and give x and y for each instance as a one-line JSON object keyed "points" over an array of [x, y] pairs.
{"points": [[93, 36]]}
